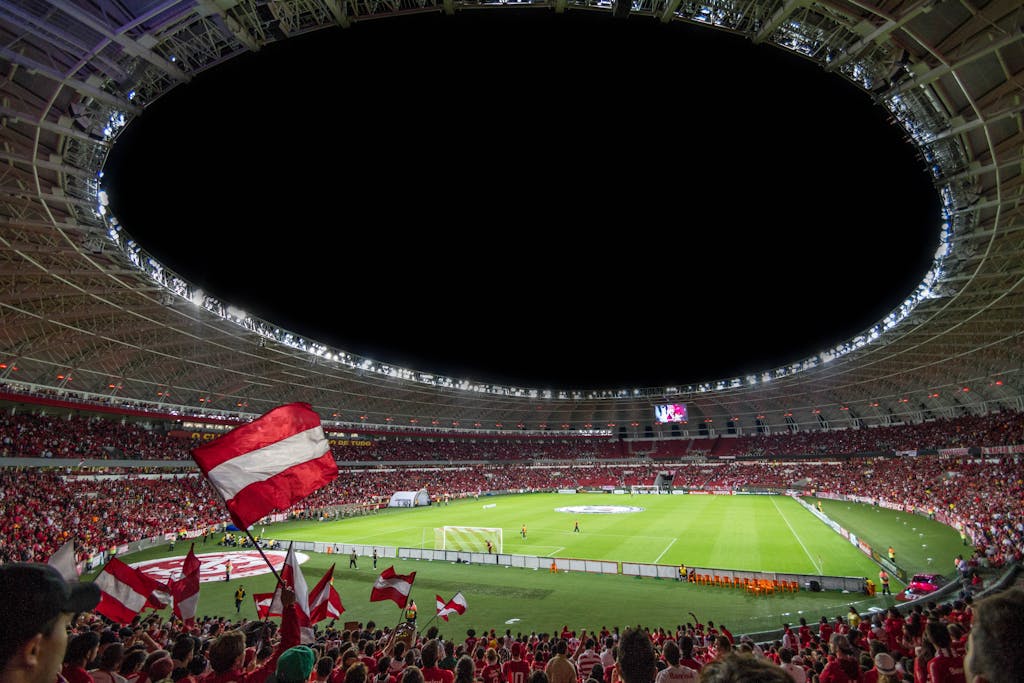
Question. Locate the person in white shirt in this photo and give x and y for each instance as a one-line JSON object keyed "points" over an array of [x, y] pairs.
{"points": [[674, 672], [608, 654], [792, 665]]}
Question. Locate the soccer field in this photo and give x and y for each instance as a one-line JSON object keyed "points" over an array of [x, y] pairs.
{"points": [[763, 533], [766, 533]]}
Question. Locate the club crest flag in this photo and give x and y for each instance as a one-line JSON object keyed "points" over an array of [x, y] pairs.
{"points": [[392, 586], [269, 464]]}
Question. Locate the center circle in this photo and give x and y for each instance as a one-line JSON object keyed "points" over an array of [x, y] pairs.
{"points": [[599, 509]]}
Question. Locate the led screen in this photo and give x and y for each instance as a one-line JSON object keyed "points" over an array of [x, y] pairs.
{"points": [[670, 412]]}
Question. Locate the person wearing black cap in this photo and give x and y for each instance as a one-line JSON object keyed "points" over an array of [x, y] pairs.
{"points": [[39, 605]]}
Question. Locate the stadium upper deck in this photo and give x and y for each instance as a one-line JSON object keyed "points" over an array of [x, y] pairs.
{"points": [[85, 310]]}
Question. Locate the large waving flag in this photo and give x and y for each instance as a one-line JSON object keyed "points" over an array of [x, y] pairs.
{"points": [[324, 601], [457, 605], [185, 590], [124, 592], [269, 464], [392, 586]]}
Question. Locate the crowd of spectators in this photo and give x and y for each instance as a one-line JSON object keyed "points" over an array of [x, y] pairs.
{"points": [[933, 642], [31, 434], [42, 508], [982, 496]]}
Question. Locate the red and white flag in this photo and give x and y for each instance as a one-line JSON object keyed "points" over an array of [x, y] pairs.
{"points": [[457, 605], [291, 577], [324, 601], [334, 606], [392, 586], [269, 464], [124, 592], [263, 603], [185, 590]]}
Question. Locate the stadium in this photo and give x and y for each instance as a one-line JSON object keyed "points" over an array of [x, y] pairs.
{"points": [[773, 495]]}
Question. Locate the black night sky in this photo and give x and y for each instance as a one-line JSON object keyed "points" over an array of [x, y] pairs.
{"points": [[566, 201]]}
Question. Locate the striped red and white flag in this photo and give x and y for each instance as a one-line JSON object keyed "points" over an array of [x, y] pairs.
{"points": [[291, 577], [324, 601], [457, 605], [263, 605], [334, 606], [392, 586], [185, 590], [269, 464], [125, 591]]}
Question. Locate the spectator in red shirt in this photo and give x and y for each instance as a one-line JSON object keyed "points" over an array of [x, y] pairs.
{"points": [[227, 652], [944, 667], [82, 649], [431, 672]]}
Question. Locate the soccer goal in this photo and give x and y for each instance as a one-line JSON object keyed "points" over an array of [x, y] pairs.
{"points": [[469, 538]]}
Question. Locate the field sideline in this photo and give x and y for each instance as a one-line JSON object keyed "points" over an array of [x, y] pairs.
{"points": [[771, 533]]}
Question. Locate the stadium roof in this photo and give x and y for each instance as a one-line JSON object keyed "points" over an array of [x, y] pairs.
{"points": [[86, 310]]}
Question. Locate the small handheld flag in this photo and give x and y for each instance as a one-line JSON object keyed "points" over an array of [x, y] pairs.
{"points": [[457, 605], [125, 591], [392, 586]]}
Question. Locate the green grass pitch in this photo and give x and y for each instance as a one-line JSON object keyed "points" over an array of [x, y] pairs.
{"points": [[768, 533]]}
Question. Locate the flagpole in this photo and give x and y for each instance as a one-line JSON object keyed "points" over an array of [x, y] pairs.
{"points": [[265, 558], [429, 622]]}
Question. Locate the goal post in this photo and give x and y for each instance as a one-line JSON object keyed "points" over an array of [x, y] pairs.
{"points": [[468, 538]]}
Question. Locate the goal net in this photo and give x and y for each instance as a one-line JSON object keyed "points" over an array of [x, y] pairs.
{"points": [[644, 489], [468, 538]]}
